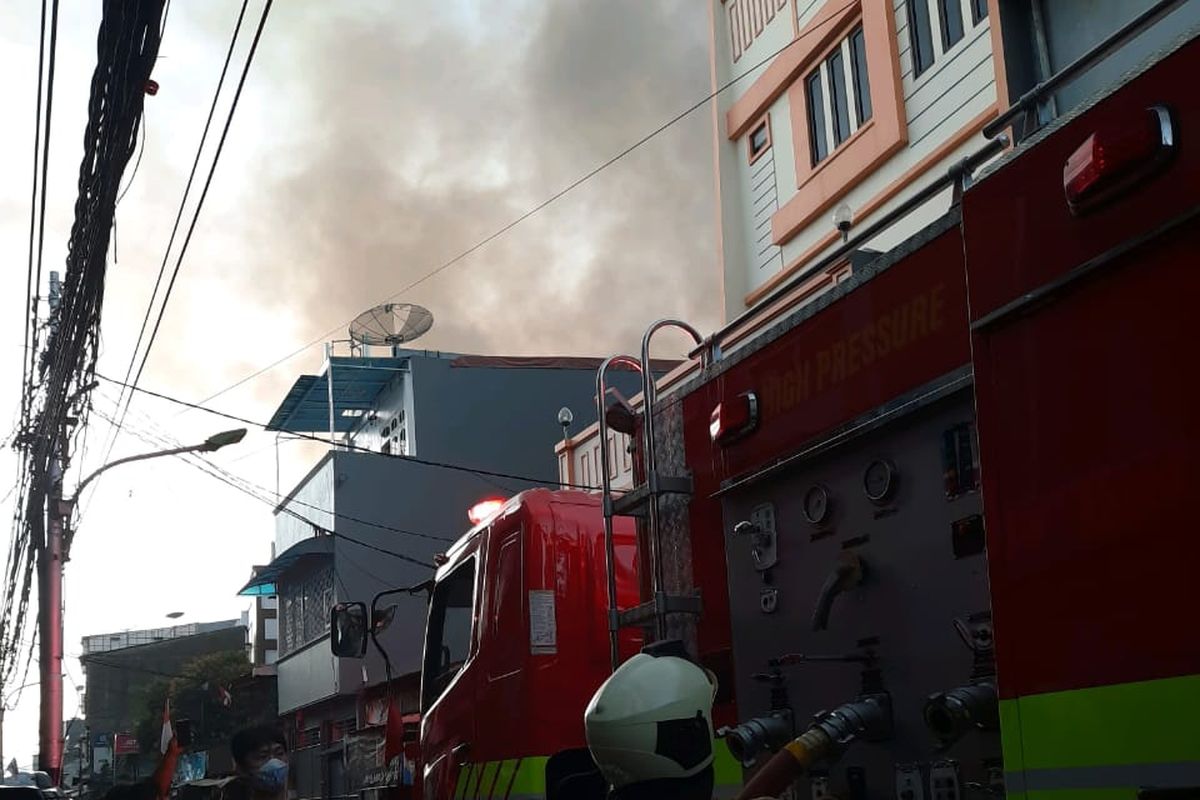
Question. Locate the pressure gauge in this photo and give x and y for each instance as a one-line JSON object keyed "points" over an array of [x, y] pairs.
{"points": [[879, 480], [817, 504]]}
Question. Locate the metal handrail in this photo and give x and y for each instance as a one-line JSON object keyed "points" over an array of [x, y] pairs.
{"points": [[1085, 62], [610, 558], [957, 174], [649, 456]]}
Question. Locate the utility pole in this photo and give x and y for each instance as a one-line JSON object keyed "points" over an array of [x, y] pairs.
{"points": [[50, 574]]}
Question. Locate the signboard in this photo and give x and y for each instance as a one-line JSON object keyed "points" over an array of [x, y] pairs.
{"points": [[543, 628], [125, 744], [365, 766]]}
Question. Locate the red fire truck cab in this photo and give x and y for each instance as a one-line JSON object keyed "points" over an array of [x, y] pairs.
{"points": [[516, 644]]}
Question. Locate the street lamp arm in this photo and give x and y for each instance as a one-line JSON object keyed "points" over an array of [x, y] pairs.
{"points": [[141, 457], [212, 443]]}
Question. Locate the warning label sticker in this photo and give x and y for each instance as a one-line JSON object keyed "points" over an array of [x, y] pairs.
{"points": [[543, 629]]}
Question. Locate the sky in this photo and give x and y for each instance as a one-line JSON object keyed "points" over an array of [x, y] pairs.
{"points": [[374, 141]]}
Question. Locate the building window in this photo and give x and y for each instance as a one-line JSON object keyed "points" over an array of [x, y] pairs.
{"points": [[862, 86], [816, 118], [950, 23], [839, 84], [950, 15], [920, 35], [835, 68], [759, 140]]}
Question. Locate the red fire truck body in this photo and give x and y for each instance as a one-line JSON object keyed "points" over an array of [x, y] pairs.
{"points": [[1060, 333], [1088, 432]]}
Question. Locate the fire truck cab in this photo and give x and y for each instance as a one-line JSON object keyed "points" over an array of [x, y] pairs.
{"points": [[516, 644]]}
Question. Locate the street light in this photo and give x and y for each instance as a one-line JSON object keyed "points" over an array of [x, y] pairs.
{"points": [[209, 445], [55, 552]]}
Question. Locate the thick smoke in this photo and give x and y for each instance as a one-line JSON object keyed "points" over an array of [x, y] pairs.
{"points": [[375, 142]]}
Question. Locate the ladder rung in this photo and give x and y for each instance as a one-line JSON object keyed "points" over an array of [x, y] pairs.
{"points": [[671, 604], [633, 502]]}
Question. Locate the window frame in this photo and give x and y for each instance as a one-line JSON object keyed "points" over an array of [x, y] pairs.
{"points": [[979, 11], [818, 143], [948, 11], [764, 124], [857, 79], [920, 66], [434, 688]]}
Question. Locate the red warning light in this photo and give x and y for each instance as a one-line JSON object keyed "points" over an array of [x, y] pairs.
{"points": [[1115, 157], [734, 418], [485, 509]]}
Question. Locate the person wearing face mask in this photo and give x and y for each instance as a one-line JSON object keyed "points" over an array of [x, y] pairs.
{"points": [[260, 755]]}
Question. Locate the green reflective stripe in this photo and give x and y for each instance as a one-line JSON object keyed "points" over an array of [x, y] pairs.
{"points": [[1010, 736], [464, 777], [504, 778], [1132, 723], [1075, 794], [531, 776], [727, 770], [473, 786], [487, 779]]}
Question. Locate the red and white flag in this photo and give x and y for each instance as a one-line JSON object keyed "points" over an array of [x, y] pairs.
{"points": [[224, 697], [164, 741]]}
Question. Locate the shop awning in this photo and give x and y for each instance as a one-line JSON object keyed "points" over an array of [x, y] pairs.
{"points": [[357, 382], [265, 583]]}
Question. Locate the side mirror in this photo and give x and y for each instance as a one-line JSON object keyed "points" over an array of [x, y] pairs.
{"points": [[348, 630], [382, 619]]}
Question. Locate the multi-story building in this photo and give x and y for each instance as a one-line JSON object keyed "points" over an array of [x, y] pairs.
{"points": [[846, 108], [419, 438], [829, 114]]}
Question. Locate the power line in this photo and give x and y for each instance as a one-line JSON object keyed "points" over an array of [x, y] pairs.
{"points": [[502, 230], [30, 287], [215, 473], [237, 96], [179, 218], [265, 494], [356, 448], [262, 495]]}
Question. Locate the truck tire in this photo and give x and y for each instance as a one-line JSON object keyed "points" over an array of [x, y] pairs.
{"points": [[572, 775]]}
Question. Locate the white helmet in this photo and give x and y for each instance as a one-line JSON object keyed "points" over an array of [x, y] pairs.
{"points": [[651, 722]]}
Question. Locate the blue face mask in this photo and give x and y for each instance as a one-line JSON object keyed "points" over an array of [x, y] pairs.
{"points": [[271, 776]]}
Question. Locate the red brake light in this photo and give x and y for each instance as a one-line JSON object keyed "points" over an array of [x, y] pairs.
{"points": [[485, 509], [733, 418], [1114, 157]]}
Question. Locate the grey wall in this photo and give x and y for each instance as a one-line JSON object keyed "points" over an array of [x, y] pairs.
{"points": [[502, 418], [398, 494], [1075, 26], [313, 499]]}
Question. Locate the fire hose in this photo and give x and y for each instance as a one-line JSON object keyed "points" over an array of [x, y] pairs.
{"points": [[868, 717]]}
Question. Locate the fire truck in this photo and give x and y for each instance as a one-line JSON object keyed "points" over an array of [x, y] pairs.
{"points": [[934, 522]]}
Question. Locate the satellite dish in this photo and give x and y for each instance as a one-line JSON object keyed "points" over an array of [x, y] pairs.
{"points": [[391, 324]]}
